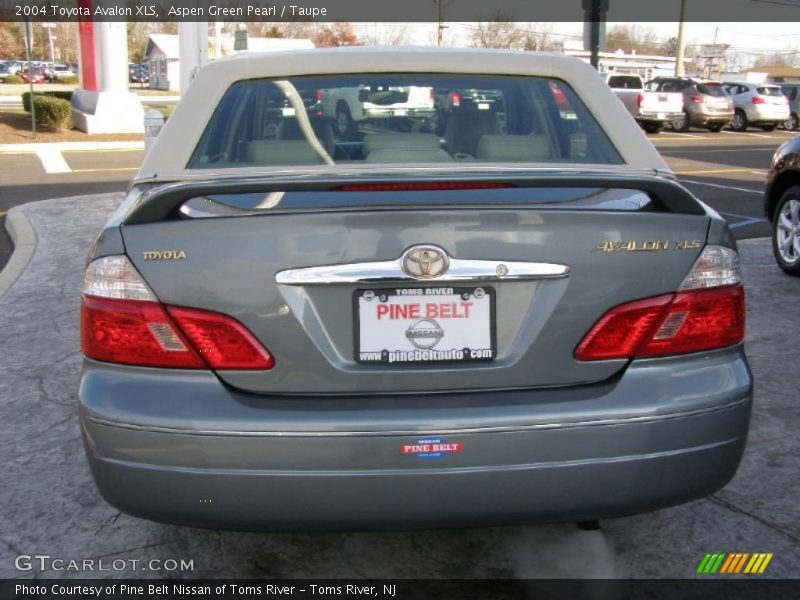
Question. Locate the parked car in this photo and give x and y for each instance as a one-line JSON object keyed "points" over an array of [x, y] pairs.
{"points": [[54, 72], [782, 205], [759, 104], [359, 104], [138, 73], [705, 103], [37, 75], [792, 93], [4, 72], [14, 66], [531, 324], [649, 107]]}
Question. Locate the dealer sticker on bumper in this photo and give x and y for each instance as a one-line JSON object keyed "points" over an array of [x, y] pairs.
{"points": [[431, 448]]}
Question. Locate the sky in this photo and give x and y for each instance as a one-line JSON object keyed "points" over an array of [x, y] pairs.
{"points": [[751, 39]]}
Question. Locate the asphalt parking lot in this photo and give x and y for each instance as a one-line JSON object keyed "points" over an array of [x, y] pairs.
{"points": [[48, 503]]}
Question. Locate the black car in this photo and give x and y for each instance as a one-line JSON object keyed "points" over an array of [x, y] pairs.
{"points": [[782, 205]]}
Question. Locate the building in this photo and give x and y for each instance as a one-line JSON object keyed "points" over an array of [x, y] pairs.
{"points": [[162, 55], [647, 66], [766, 75]]}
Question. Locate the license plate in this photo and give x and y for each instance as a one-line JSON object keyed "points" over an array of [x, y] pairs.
{"points": [[662, 116], [424, 325], [401, 112]]}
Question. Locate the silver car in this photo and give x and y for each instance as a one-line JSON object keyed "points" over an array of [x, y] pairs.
{"points": [[525, 319], [758, 104]]}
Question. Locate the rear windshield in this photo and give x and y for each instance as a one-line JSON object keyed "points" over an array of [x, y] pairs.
{"points": [[769, 91], [397, 118], [712, 89], [625, 81]]}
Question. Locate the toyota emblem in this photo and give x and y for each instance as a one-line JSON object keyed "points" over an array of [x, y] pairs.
{"points": [[425, 262]]}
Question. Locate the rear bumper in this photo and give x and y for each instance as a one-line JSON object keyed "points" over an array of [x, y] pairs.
{"points": [[610, 450], [704, 116], [656, 116], [773, 115]]}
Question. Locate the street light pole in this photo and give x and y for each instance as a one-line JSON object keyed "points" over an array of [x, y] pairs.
{"points": [[681, 43], [28, 43]]}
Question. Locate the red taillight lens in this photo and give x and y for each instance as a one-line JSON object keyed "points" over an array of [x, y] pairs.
{"points": [[223, 342], [699, 320], [639, 100], [123, 322], [133, 332], [690, 321], [145, 333], [319, 95], [455, 99], [622, 330], [696, 99], [758, 100]]}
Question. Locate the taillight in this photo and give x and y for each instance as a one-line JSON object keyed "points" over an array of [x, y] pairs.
{"points": [[758, 100], [319, 95], [455, 99], [640, 100], [123, 322], [696, 99], [706, 313]]}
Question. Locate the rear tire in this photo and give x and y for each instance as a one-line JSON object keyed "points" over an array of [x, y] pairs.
{"points": [[769, 127], [653, 128], [739, 121], [344, 125], [681, 123], [715, 127], [791, 122], [786, 231]]}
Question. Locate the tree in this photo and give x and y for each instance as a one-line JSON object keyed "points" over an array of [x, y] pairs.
{"points": [[777, 59], [384, 35], [632, 38], [335, 34], [498, 34], [540, 39], [11, 44], [668, 48]]}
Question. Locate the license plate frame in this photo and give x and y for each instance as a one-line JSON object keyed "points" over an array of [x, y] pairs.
{"points": [[427, 356]]}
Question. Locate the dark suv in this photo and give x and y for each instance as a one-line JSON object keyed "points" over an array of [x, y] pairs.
{"points": [[705, 103]]}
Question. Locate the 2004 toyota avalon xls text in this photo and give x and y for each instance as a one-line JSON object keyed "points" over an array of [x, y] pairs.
{"points": [[507, 311]]}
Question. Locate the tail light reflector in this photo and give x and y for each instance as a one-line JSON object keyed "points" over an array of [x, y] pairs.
{"points": [[707, 312], [319, 95], [455, 99], [639, 100], [696, 99], [123, 322], [758, 100]]}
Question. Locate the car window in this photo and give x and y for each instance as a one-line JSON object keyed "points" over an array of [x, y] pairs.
{"points": [[712, 89], [625, 81], [769, 91], [400, 118]]}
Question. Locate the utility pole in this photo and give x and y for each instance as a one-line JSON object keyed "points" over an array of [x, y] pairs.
{"points": [[594, 17], [681, 42], [440, 26]]}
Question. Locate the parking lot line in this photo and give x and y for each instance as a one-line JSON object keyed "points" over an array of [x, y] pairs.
{"points": [[52, 160], [105, 170], [708, 171], [747, 133], [724, 187], [748, 149]]}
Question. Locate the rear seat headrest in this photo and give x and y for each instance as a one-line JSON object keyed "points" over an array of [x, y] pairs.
{"points": [[280, 152], [404, 141], [517, 148]]}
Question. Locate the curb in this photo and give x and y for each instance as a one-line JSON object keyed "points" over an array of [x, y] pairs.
{"points": [[24, 239], [71, 146]]}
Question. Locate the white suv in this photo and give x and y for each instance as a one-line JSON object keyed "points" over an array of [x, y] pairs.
{"points": [[759, 104]]}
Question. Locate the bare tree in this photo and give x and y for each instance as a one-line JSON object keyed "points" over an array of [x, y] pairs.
{"points": [[498, 34], [380, 34], [11, 44], [629, 38], [335, 34], [777, 59], [540, 38]]}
